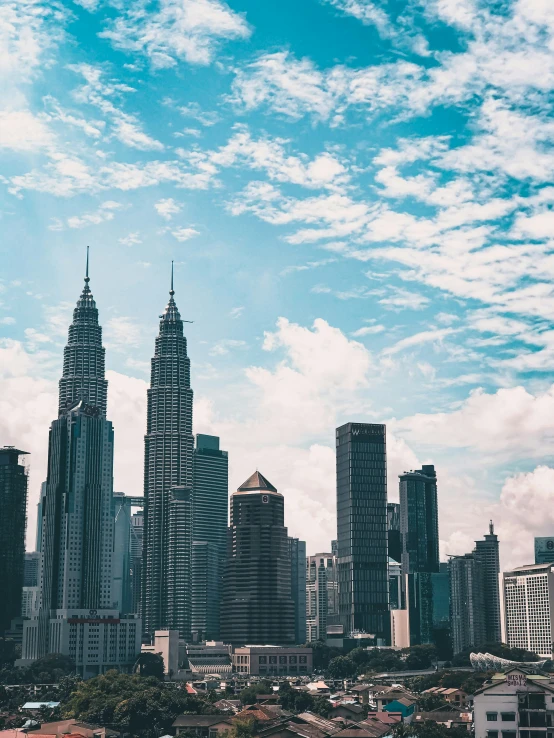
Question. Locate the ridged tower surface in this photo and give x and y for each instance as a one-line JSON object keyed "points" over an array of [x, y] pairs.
{"points": [[84, 358], [168, 460]]}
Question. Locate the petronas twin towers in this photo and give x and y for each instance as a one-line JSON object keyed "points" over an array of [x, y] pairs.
{"points": [[168, 476]]}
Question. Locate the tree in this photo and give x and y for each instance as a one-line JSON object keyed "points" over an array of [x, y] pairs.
{"points": [[50, 669], [321, 654], [321, 707], [294, 700], [342, 667], [142, 706], [8, 652], [150, 665], [249, 696], [420, 657]]}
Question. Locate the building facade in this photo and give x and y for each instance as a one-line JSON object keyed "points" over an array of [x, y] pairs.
{"points": [[488, 555], [297, 556], [135, 547], [322, 595], [362, 529], [13, 498], [124, 553], [211, 503], [393, 531], [272, 661], [77, 512], [527, 612], [168, 464], [31, 571], [257, 606], [419, 529]]}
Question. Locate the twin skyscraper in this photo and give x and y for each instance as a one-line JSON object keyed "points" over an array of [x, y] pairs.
{"points": [[185, 508]]}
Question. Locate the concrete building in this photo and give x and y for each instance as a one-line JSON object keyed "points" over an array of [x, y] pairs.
{"points": [[30, 602], [527, 608], [123, 549], [13, 496], [400, 628], [211, 657], [488, 555], [362, 529], [96, 639], [135, 548], [31, 569], [322, 595], [420, 547], [168, 465], [544, 550], [467, 606], [272, 661], [297, 555], [515, 704], [38, 533], [166, 643], [257, 606], [211, 503]]}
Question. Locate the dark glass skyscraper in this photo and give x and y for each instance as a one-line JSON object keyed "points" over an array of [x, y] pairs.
{"points": [[362, 529], [488, 555], [168, 464], [420, 547], [211, 504], [393, 528], [257, 606], [13, 506], [297, 555]]}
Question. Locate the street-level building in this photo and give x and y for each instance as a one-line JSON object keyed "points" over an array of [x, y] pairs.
{"points": [[272, 661], [528, 608], [515, 704]]}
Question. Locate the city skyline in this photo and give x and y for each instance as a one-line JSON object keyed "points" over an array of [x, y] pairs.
{"points": [[357, 198]]}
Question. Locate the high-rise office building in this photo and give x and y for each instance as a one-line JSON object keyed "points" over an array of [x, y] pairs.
{"points": [[420, 547], [124, 544], [135, 548], [179, 560], [527, 611], [77, 537], [466, 602], [544, 550], [297, 555], [442, 638], [488, 555], [322, 595], [362, 529], [475, 595], [13, 499], [393, 531], [31, 572], [168, 464], [257, 606], [211, 504]]}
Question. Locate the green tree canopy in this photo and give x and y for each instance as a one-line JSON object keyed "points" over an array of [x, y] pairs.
{"points": [[149, 665]]}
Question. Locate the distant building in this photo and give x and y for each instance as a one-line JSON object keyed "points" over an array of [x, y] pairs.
{"points": [[272, 661], [38, 534], [467, 602], [13, 495], [136, 537], [257, 606], [124, 546], [30, 602], [362, 529], [475, 595], [31, 571], [166, 644], [527, 608], [420, 547], [322, 595], [488, 554], [211, 657], [297, 554], [442, 637], [211, 503], [544, 550]]}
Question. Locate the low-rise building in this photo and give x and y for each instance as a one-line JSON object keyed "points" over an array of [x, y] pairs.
{"points": [[272, 660], [202, 726], [68, 728], [211, 657], [449, 717], [449, 694], [515, 704]]}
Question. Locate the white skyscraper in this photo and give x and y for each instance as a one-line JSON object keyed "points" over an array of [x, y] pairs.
{"points": [[528, 608]]}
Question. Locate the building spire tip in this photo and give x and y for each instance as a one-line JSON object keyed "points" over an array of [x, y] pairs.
{"points": [[172, 291], [87, 278]]}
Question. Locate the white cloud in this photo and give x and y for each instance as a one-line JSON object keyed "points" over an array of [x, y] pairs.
{"points": [[20, 130], [105, 212], [121, 333], [180, 30], [435, 337], [236, 312], [131, 239], [167, 208], [368, 330], [7, 320], [184, 234], [401, 299], [225, 346]]}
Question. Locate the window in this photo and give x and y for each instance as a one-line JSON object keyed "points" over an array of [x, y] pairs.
{"points": [[492, 717], [492, 734], [508, 717], [509, 734]]}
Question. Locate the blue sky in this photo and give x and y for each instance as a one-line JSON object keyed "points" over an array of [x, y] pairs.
{"points": [[357, 196]]}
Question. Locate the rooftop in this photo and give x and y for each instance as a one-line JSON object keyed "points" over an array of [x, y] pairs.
{"points": [[256, 483]]}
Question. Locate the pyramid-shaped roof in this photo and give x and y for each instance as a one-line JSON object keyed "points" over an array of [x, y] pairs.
{"points": [[256, 482]]}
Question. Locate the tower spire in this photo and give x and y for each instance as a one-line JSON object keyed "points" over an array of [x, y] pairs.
{"points": [[172, 291], [87, 278]]}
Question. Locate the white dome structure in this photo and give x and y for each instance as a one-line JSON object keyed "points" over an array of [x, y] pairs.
{"points": [[488, 662]]}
